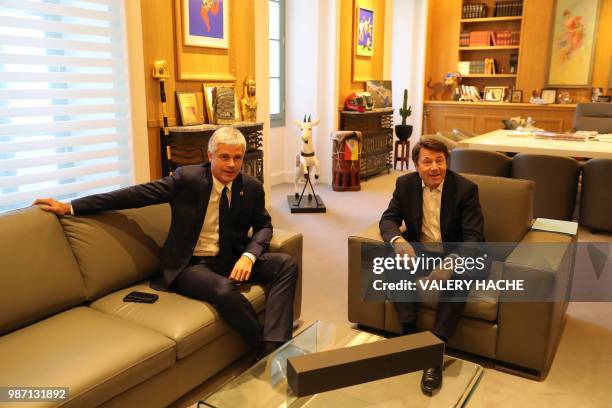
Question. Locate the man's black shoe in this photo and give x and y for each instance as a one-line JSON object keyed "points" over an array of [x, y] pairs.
{"points": [[431, 380], [266, 347]]}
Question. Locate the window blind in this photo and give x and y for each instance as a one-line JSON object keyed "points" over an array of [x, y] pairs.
{"points": [[65, 129]]}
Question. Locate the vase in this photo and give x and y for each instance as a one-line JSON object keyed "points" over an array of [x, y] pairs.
{"points": [[403, 132]]}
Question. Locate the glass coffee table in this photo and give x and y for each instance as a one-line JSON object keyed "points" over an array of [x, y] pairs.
{"points": [[265, 383]]}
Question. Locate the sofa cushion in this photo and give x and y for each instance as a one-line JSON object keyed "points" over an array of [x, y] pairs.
{"points": [[507, 206], [96, 355], [481, 304], [133, 237], [39, 274], [190, 323]]}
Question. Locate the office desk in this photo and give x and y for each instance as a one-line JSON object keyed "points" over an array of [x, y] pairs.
{"points": [[509, 141]]}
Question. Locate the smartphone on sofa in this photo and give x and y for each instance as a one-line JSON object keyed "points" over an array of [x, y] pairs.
{"points": [[140, 297]]}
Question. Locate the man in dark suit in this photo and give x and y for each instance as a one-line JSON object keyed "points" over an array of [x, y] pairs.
{"points": [[208, 253], [436, 205]]}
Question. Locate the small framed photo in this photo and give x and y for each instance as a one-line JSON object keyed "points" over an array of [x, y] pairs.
{"points": [[190, 108], [549, 95], [517, 96], [494, 93]]}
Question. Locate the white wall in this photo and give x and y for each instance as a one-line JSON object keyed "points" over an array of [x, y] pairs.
{"points": [[312, 71], [262, 78], [408, 56], [311, 31]]}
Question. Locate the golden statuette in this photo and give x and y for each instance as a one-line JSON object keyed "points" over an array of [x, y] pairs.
{"points": [[248, 101]]}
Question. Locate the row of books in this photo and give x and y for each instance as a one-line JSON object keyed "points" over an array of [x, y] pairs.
{"points": [[471, 67], [508, 8], [488, 38], [506, 38], [474, 10]]}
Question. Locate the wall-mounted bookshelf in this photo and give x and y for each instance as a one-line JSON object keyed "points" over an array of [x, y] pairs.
{"points": [[491, 19], [489, 76], [490, 48], [490, 42]]}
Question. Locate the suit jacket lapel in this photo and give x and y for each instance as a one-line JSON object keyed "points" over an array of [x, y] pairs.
{"points": [[417, 205], [205, 190], [449, 194], [237, 197]]}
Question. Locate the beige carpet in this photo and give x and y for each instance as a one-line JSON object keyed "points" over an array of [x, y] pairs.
{"points": [[581, 374]]}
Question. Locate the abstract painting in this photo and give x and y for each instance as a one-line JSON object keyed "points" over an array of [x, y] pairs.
{"points": [[365, 32], [572, 48], [205, 23]]}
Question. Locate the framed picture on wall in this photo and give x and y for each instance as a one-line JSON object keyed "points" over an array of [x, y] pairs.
{"points": [[364, 31], [189, 108], [572, 47], [206, 23]]}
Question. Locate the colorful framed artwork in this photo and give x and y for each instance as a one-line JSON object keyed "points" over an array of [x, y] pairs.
{"points": [[365, 32], [189, 108], [572, 49], [206, 23], [381, 93], [210, 92]]}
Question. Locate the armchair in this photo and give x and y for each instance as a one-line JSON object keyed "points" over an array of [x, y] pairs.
{"points": [[521, 337]]}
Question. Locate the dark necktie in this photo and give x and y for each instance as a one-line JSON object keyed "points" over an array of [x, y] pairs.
{"points": [[225, 233]]}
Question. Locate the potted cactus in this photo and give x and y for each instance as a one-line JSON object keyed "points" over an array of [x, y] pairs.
{"points": [[404, 131]]}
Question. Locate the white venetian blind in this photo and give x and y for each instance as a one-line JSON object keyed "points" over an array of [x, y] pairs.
{"points": [[65, 128]]}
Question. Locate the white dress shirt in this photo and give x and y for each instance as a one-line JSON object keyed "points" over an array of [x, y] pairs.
{"points": [[208, 241], [432, 204]]}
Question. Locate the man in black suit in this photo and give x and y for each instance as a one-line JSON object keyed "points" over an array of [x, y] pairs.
{"points": [[436, 205], [207, 253]]}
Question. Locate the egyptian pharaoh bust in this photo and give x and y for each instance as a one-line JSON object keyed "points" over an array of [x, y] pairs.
{"points": [[248, 101]]}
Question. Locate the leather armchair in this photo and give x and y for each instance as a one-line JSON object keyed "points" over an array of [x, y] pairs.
{"points": [[521, 337]]}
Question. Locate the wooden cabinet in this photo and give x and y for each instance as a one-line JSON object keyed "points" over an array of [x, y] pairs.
{"points": [[377, 130], [483, 117], [189, 145]]}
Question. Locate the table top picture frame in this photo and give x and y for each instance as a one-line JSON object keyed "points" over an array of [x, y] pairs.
{"points": [[206, 24], [516, 96], [190, 109], [208, 98], [549, 95], [494, 93]]}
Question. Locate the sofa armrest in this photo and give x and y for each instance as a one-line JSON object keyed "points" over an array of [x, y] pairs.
{"points": [[529, 330], [291, 243], [371, 314]]}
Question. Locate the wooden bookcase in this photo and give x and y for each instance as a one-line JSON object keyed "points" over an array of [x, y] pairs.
{"points": [[502, 54]]}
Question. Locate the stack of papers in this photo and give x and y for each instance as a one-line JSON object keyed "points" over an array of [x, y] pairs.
{"points": [[562, 227]]}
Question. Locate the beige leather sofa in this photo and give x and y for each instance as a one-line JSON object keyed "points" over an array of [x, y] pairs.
{"points": [[64, 324], [521, 337]]}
